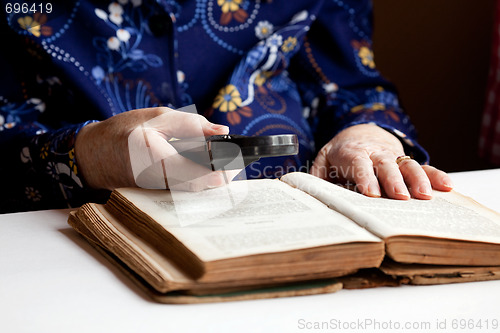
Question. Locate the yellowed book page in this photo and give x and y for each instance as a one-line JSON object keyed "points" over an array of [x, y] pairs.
{"points": [[247, 218], [447, 215]]}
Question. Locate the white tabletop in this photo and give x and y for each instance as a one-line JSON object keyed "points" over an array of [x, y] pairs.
{"points": [[51, 280]]}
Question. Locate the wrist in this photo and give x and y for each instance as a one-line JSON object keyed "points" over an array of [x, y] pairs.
{"points": [[85, 157]]}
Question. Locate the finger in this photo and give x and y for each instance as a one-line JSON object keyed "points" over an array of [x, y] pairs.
{"points": [[156, 164], [184, 125], [208, 181], [439, 179], [212, 180], [389, 176], [148, 149], [416, 179], [176, 172], [186, 175], [364, 176], [321, 166]]}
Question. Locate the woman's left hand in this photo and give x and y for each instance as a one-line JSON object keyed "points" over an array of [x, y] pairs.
{"points": [[366, 155]]}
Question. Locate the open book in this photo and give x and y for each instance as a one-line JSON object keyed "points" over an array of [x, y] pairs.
{"points": [[294, 236]]}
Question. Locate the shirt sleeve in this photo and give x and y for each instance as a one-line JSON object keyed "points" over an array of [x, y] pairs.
{"points": [[38, 168], [339, 76]]}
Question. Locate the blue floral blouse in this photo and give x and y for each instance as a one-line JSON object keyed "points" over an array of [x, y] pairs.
{"points": [[261, 67]]}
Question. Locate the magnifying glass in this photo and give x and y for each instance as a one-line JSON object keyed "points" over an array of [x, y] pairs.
{"points": [[219, 152]]}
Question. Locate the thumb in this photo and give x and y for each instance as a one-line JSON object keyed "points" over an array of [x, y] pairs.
{"points": [[214, 129], [321, 166], [181, 124]]}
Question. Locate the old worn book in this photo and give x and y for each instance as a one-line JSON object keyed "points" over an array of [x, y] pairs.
{"points": [[294, 236]]}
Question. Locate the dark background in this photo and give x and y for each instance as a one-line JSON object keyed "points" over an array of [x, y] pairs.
{"points": [[437, 53]]}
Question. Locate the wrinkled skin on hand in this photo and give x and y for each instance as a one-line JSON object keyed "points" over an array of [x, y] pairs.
{"points": [[106, 151], [366, 155]]}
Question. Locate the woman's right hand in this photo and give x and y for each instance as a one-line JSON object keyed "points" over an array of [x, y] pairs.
{"points": [[132, 149]]}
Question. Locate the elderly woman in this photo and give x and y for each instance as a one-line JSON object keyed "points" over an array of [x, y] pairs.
{"points": [[79, 76]]}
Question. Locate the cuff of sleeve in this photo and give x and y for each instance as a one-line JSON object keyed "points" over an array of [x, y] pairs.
{"points": [[54, 156]]}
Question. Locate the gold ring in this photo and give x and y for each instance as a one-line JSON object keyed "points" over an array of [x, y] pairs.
{"points": [[401, 158]]}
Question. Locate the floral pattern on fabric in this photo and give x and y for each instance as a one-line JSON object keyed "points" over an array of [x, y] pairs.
{"points": [[120, 51], [261, 67], [35, 25]]}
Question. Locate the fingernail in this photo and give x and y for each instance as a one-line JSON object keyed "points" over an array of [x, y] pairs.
{"points": [[401, 189], [425, 189], [374, 190], [215, 180], [447, 182], [217, 127]]}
